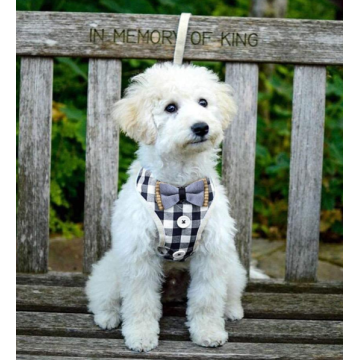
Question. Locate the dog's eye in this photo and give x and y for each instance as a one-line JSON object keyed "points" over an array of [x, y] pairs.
{"points": [[171, 108], [203, 102]]}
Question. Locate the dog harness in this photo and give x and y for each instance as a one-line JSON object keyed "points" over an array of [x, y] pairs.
{"points": [[180, 214]]}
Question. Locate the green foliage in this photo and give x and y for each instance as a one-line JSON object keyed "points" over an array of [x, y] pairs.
{"points": [[273, 132], [67, 170], [273, 151], [213, 7], [332, 189], [317, 10], [273, 154]]}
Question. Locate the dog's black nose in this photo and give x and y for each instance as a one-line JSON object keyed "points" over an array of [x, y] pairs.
{"points": [[200, 128]]}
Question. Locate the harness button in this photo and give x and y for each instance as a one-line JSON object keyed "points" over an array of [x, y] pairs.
{"points": [[162, 250], [178, 255], [183, 222]]}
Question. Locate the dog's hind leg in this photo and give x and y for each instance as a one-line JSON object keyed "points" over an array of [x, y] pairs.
{"points": [[103, 291]]}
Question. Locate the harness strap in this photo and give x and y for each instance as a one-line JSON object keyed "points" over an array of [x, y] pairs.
{"points": [[181, 38]]}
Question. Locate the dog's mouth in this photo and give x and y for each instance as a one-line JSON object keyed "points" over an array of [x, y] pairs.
{"points": [[198, 141]]}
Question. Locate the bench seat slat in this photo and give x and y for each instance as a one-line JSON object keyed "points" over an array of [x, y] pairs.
{"points": [[102, 157], [174, 328], [307, 143], [77, 279], [36, 79], [239, 153], [85, 347], [256, 305], [49, 357]]}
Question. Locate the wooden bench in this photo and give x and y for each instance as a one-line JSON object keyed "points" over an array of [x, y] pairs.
{"points": [[298, 318]]}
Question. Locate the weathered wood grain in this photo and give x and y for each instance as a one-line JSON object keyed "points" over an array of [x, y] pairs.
{"points": [[209, 38], [280, 287], [281, 306], [102, 157], [256, 305], [34, 164], [47, 357], [50, 298], [85, 347], [174, 328], [307, 143], [54, 278], [239, 153]]}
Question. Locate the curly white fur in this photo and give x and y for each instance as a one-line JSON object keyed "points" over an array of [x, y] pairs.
{"points": [[125, 285]]}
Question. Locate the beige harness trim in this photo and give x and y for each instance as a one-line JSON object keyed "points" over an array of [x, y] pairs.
{"points": [[181, 38], [158, 196]]}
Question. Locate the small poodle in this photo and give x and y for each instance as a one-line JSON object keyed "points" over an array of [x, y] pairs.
{"points": [[173, 209]]}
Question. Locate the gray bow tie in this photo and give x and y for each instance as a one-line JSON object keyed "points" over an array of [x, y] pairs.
{"points": [[171, 195]]}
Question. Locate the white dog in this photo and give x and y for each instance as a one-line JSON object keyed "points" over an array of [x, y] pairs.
{"points": [[178, 115]]}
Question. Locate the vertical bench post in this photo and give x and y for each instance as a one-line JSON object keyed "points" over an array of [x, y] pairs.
{"points": [[305, 173], [102, 157], [36, 80], [239, 153]]}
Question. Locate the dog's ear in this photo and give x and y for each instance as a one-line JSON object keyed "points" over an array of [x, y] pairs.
{"points": [[133, 113], [226, 103]]}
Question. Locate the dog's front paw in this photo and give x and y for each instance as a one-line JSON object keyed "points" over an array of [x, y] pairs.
{"points": [[211, 338], [141, 342], [234, 312], [107, 320], [141, 335]]}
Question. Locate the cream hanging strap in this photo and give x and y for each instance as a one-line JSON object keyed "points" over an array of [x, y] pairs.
{"points": [[181, 38]]}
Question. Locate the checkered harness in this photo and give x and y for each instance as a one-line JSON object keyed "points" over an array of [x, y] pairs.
{"points": [[174, 243]]}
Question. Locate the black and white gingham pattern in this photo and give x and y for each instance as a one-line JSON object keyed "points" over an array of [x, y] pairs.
{"points": [[176, 238]]}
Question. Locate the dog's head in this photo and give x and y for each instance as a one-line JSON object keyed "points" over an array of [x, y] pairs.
{"points": [[176, 108]]}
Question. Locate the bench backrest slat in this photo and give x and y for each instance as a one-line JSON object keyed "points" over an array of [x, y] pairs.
{"points": [[153, 37], [305, 173], [34, 164], [102, 157], [239, 149]]}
